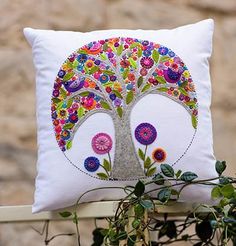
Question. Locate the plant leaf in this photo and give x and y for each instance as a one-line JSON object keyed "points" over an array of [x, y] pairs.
{"points": [[63, 93], [80, 112], [93, 70], [105, 105], [141, 154], [147, 162], [159, 179], [68, 76], [133, 45], [140, 81], [204, 230], [132, 62], [164, 58], [188, 176], [155, 56], [147, 204], [139, 189], [227, 190], [215, 192], [178, 173], [146, 87], [151, 171], [163, 89], [102, 175], [125, 73], [164, 195], [194, 121], [161, 80], [108, 72], [167, 170], [69, 102], [107, 165], [103, 56], [120, 111], [117, 93], [68, 126], [65, 214], [119, 50], [139, 52], [69, 145], [139, 210], [84, 93], [129, 97], [220, 166], [183, 91], [56, 100]]}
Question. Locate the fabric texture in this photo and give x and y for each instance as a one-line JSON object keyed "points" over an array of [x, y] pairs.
{"points": [[113, 105]]}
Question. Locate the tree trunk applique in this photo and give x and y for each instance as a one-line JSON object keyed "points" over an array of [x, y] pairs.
{"points": [[111, 76]]}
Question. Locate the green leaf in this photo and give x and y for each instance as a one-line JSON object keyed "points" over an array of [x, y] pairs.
{"points": [[194, 121], [151, 171], [155, 56], [215, 192], [119, 50], [136, 223], [140, 81], [68, 76], [105, 105], [121, 236], [147, 204], [131, 240], [174, 192], [227, 190], [59, 105], [160, 79], [69, 102], [163, 89], [146, 87], [191, 103], [103, 56], [139, 52], [220, 166], [56, 100], [139, 210], [129, 97], [139, 189], [108, 72], [164, 58], [147, 162], [117, 93], [125, 73], [105, 47], [80, 112], [133, 45], [164, 195], [102, 175], [132, 62], [204, 230], [65, 214], [84, 93], [68, 126], [119, 111], [69, 145], [86, 69], [188, 176], [107, 165], [75, 64], [63, 93], [183, 91], [178, 173], [141, 154], [167, 170], [159, 179], [93, 70], [83, 52]]}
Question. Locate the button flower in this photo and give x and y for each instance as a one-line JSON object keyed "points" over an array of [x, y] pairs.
{"points": [[101, 143], [91, 164], [145, 133]]}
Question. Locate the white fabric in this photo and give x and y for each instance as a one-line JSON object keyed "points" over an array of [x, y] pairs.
{"points": [[58, 183]]}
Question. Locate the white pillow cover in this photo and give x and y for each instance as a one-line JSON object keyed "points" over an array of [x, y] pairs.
{"points": [[103, 95]]}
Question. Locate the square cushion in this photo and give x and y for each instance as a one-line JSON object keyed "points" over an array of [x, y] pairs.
{"points": [[113, 105]]}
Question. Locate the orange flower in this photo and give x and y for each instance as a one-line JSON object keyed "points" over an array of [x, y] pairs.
{"points": [[159, 155], [131, 76]]}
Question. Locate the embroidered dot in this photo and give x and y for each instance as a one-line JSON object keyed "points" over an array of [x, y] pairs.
{"points": [[101, 143], [159, 155], [146, 62], [91, 164], [145, 133]]}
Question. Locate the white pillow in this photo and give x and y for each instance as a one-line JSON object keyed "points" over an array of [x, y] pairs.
{"points": [[163, 79]]}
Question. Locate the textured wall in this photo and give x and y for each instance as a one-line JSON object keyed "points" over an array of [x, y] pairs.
{"points": [[17, 93]]}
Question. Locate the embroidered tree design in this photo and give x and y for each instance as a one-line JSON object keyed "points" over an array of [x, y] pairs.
{"points": [[111, 76]]}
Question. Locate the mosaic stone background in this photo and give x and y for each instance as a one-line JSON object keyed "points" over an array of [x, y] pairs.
{"points": [[17, 93]]}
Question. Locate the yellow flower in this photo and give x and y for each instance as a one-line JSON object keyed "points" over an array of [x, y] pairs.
{"points": [[186, 74]]}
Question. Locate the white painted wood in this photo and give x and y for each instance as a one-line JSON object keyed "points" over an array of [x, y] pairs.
{"points": [[86, 210]]}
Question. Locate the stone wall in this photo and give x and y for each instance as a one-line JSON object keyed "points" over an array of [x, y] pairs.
{"points": [[17, 94]]}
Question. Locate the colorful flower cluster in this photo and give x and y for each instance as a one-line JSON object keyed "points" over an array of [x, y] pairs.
{"points": [[107, 74]]}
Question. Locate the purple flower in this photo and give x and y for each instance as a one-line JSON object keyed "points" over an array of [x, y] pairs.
{"points": [[74, 85], [73, 118], [61, 73], [163, 50], [91, 164], [146, 62], [145, 133], [117, 102], [171, 76]]}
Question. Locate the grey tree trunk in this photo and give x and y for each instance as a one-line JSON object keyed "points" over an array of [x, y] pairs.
{"points": [[126, 163]]}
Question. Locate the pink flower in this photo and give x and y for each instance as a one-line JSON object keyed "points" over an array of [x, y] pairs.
{"points": [[101, 143]]}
